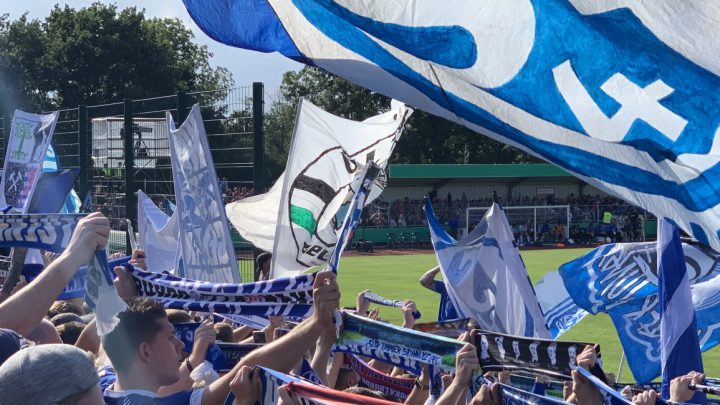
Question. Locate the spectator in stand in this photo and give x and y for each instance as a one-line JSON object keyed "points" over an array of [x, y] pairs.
{"points": [[264, 261], [545, 231], [401, 220]]}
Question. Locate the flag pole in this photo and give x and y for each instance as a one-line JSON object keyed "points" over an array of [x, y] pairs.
{"points": [[622, 361]]}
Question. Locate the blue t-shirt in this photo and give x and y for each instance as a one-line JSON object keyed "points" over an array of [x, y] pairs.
{"points": [[141, 397], [447, 310]]}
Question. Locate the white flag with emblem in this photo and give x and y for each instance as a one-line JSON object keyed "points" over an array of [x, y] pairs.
{"points": [[326, 152]]}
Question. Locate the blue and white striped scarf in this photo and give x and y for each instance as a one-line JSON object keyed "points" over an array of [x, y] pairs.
{"points": [[51, 232], [291, 297]]}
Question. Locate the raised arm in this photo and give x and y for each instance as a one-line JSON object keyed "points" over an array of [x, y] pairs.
{"points": [[284, 353], [466, 363], [23, 311], [428, 279]]}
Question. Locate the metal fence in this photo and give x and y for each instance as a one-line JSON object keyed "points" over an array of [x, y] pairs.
{"points": [[93, 138]]}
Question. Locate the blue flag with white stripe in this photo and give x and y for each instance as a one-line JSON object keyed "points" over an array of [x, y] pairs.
{"points": [[620, 93], [362, 186], [680, 348], [485, 276], [622, 280]]}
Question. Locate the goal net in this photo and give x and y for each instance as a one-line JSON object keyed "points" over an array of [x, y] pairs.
{"points": [[530, 223]]}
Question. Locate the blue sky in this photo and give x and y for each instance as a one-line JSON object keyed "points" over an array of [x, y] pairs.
{"points": [[246, 66]]}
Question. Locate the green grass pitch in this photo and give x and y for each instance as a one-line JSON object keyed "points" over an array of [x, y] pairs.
{"points": [[396, 277]]}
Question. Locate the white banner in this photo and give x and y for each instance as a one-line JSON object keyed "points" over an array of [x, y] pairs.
{"points": [[326, 154], [30, 136], [158, 234], [206, 251], [486, 278]]}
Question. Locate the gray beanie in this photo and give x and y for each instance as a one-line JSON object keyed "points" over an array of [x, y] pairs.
{"points": [[46, 374]]}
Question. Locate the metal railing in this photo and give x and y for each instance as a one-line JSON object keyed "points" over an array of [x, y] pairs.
{"points": [[93, 139]]}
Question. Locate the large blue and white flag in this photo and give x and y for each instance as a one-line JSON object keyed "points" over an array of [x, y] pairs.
{"points": [[485, 276], [619, 93], [206, 251], [679, 345], [158, 234], [621, 280], [300, 218]]}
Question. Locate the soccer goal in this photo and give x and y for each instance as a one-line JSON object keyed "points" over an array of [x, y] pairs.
{"points": [[530, 223]]}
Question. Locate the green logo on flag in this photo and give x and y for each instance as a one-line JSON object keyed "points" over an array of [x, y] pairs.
{"points": [[303, 218]]}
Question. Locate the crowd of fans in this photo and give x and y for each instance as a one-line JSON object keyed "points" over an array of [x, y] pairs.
{"points": [[50, 352], [408, 212], [236, 193], [592, 218]]}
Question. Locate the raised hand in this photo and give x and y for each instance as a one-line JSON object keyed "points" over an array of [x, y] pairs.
{"points": [[91, 234], [326, 297], [408, 309]]}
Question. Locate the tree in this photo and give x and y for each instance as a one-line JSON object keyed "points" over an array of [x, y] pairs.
{"points": [[426, 139], [100, 54]]}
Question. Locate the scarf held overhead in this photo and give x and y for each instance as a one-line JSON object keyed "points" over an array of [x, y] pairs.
{"points": [[498, 352], [401, 347], [285, 296]]}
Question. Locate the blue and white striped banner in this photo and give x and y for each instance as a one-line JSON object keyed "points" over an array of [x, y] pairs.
{"points": [[290, 297], [679, 345], [51, 232]]}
